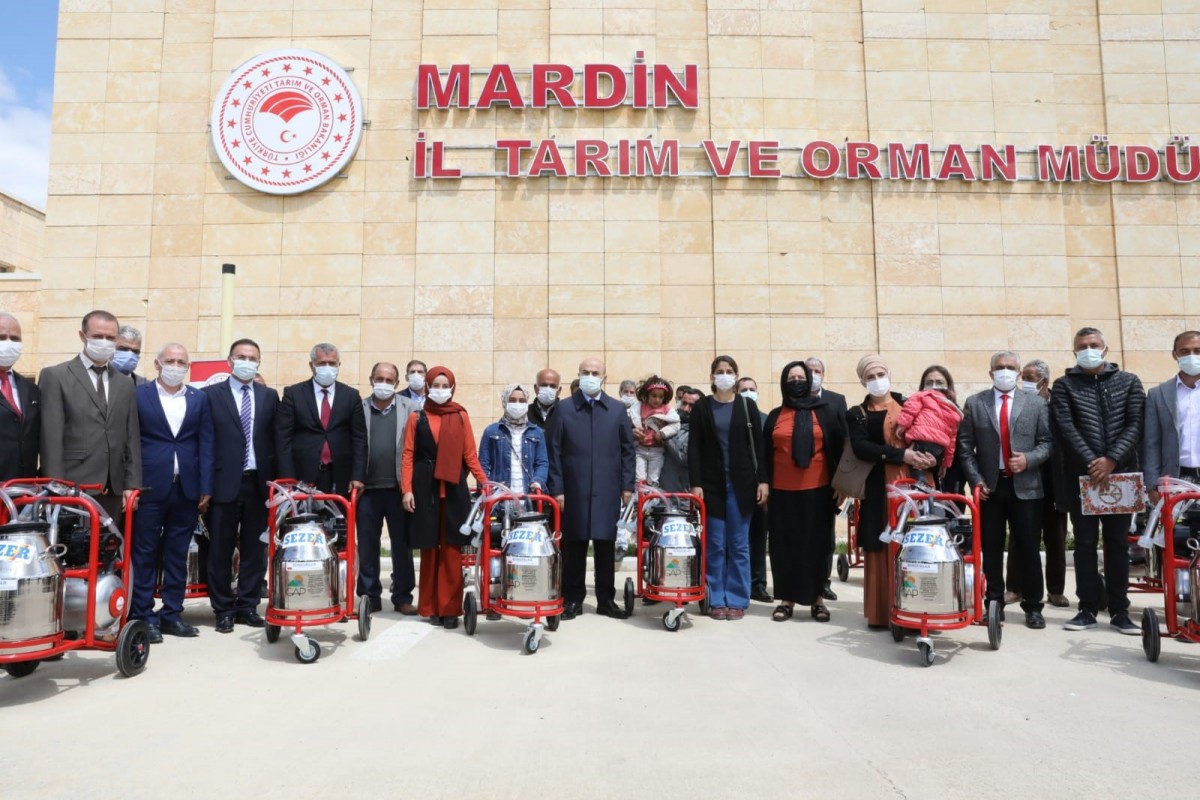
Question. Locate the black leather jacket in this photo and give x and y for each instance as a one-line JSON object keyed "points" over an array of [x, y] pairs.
{"points": [[1098, 415]]}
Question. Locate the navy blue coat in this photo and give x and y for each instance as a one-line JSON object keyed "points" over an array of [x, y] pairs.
{"points": [[231, 441], [591, 463], [193, 445]]}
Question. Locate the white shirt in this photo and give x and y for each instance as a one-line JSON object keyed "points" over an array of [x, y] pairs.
{"points": [[12, 382], [997, 396], [88, 364], [236, 387], [516, 480], [175, 408], [1187, 420], [318, 388]]}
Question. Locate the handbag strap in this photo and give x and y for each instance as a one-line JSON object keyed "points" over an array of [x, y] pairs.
{"points": [[750, 435]]}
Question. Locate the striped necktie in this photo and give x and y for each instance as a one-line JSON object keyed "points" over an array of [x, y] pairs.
{"points": [[247, 425]]}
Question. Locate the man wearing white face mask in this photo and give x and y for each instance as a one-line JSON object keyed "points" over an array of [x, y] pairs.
{"points": [[1171, 446], [547, 384], [321, 434], [816, 371], [243, 413], [1098, 411], [385, 413], [20, 408], [177, 463], [414, 376], [90, 418], [1002, 443]]}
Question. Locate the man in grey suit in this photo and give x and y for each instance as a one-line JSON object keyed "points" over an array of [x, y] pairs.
{"points": [[90, 428], [1171, 443], [1003, 441], [386, 413]]}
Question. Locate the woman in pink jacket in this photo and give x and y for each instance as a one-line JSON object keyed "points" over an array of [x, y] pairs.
{"points": [[929, 422]]}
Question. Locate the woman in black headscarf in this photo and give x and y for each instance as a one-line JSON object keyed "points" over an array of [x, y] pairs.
{"points": [[803, 440]]}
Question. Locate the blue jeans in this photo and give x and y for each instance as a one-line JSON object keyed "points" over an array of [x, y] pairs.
{"points": [[727, 562]]}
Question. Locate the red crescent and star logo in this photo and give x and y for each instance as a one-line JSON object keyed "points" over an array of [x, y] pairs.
{"points": [[287, 121]]}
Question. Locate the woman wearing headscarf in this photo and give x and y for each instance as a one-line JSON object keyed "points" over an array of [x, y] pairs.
{"points": [[439, 451], [802, 444], [511, 451], [872, 428]]}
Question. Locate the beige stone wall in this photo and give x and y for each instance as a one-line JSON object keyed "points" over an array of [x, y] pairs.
{"points": [[497, 278], [22, 231]]}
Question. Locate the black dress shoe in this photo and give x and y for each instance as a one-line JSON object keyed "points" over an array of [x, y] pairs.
{"points": [[225, 623], [1035, 620], [493, 615], [761, 596], [155, 633], [376, 604], [828, 593], [435, 620], [611, 610], [571, 611], [178, 628], [449, 623], [250, 618]]}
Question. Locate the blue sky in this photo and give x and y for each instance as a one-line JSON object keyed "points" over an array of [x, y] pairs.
{"points": [[27, 42]]}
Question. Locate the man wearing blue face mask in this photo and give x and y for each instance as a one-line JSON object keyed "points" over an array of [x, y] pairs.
{"points": [[1098, 411], [321, 436], [1171, 446], [243, 415], [129, 352]]}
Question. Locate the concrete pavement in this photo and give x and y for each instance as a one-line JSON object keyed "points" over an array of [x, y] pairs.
{"points": [[752, 709]]}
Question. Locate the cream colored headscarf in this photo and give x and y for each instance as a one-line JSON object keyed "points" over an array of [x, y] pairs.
{"points": [[868, 363], [506, 393]]}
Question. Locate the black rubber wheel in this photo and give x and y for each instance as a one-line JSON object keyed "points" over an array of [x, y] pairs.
{"points": [[705, 606], [843, 568], [673, 627], [530, 643], [364, 618], [470, 614], [552, 623], [629, 596], [926, 654], [133, 648], [897, 632], [995, 625], [312, 656], [19, 669], [1151, 636], [272, 632]]}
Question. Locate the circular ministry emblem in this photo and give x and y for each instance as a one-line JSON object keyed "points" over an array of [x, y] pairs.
{"points": [[287, 121]]}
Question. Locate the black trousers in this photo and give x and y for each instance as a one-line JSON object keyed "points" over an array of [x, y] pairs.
{"points": [[1004, 510], [574, 578], [1089, 587], [323, 480], [239, 525], [375, 506], [1053, 524], [758, 550]]}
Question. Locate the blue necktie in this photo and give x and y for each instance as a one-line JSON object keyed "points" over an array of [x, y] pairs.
{"points": [[247, 425]]}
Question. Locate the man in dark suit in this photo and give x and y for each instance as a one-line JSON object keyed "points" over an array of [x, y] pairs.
{"points": [[748, 387], [177, 464], [320, 432], [1003, 440], [20, 408], [590, 445], [243, 414], [90, 418], [816, 369]]}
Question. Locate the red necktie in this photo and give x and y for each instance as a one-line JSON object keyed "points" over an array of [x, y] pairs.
{"points": [[6, 390], [326, 456], [1005, 439]]}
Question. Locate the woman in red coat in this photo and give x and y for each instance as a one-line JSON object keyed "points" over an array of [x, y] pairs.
{"points": [[439, 451]]}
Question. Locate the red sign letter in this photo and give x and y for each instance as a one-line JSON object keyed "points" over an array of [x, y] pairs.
{"points": [[860, 159], [1052, 167], [903, 164], [592, 98], [458, 85], [722, 167], [559, 85], [833, 158]]}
